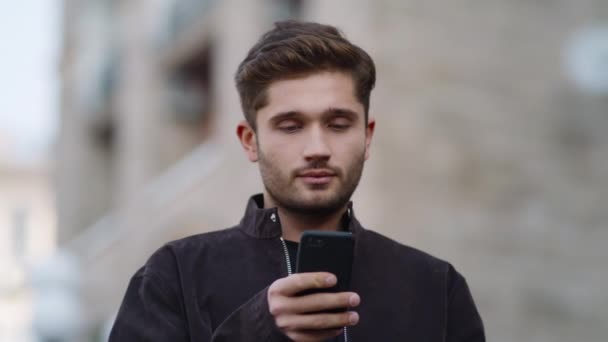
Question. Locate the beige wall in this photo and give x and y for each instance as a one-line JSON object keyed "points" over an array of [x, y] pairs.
{"points": [[27, 235]]}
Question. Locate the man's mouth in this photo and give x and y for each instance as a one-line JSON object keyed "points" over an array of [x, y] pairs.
{"points": [[317, 177]]}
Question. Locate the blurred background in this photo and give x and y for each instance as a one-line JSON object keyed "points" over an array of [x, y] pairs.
{"points": [[117, 134]]}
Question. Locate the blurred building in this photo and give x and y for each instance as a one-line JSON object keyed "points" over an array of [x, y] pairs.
{"points": [[490, 154], [27, 236]]}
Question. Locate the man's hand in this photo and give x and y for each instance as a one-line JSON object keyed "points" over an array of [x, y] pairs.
{"points": [[301, 318]]}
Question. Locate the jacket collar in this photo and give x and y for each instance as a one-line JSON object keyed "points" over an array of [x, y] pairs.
{"points": [[264, 223]]}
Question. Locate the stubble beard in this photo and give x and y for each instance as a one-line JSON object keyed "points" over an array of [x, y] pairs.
{"points": [[283, 190]]}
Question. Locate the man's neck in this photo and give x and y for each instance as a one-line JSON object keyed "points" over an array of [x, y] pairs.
{"points": [[294, 224]]}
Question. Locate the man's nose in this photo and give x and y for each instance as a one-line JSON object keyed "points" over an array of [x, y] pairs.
{"points": [[317, 146]]}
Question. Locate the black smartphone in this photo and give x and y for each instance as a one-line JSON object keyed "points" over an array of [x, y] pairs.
{"points": [[322, 251]]}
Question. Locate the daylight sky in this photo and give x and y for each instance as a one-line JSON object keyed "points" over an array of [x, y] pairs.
{"points": [[29, 36]]}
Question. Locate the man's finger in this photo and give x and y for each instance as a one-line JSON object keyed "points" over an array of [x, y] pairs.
{"points": [[319, 321], [322, 302], [299, 282]]}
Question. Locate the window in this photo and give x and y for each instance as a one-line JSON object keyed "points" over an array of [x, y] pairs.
{"points": [[18, 234]]}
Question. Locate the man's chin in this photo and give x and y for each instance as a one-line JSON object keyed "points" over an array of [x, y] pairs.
{"points": [[317, 205], [319, 197]]}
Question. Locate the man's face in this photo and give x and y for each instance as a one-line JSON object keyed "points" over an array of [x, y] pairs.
{"points": [[312, 141]]}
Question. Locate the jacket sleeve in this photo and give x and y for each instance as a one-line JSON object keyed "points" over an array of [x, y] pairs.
{"points": [[464, 323], [151, 312], [252, 321]]}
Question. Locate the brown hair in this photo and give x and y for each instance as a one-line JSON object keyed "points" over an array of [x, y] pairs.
{"points": [[294, 48]]}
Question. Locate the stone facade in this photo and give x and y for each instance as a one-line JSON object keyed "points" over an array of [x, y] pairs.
{"points": [[27, 236], [486, 154]]}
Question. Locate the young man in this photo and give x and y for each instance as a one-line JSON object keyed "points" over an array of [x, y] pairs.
{"points": [[305, 94]]}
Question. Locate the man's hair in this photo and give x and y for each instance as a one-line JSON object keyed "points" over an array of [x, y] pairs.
{"points": [[294, 49]]}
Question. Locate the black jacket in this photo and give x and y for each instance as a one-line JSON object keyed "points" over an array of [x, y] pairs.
{"points": [[212, 287]]}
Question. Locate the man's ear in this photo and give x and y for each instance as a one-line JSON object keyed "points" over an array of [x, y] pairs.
{"points": [[248, 140], [369, 134]]}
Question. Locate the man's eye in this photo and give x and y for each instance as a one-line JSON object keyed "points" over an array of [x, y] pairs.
{"points": [[339, 125], [289, 128]]}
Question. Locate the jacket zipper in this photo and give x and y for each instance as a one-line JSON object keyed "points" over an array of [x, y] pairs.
{"points": [[290, 272]]}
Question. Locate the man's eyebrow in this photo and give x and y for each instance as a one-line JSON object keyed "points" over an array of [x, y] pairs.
{"points": [[332, 111], [283, 116], [342, 112]]}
